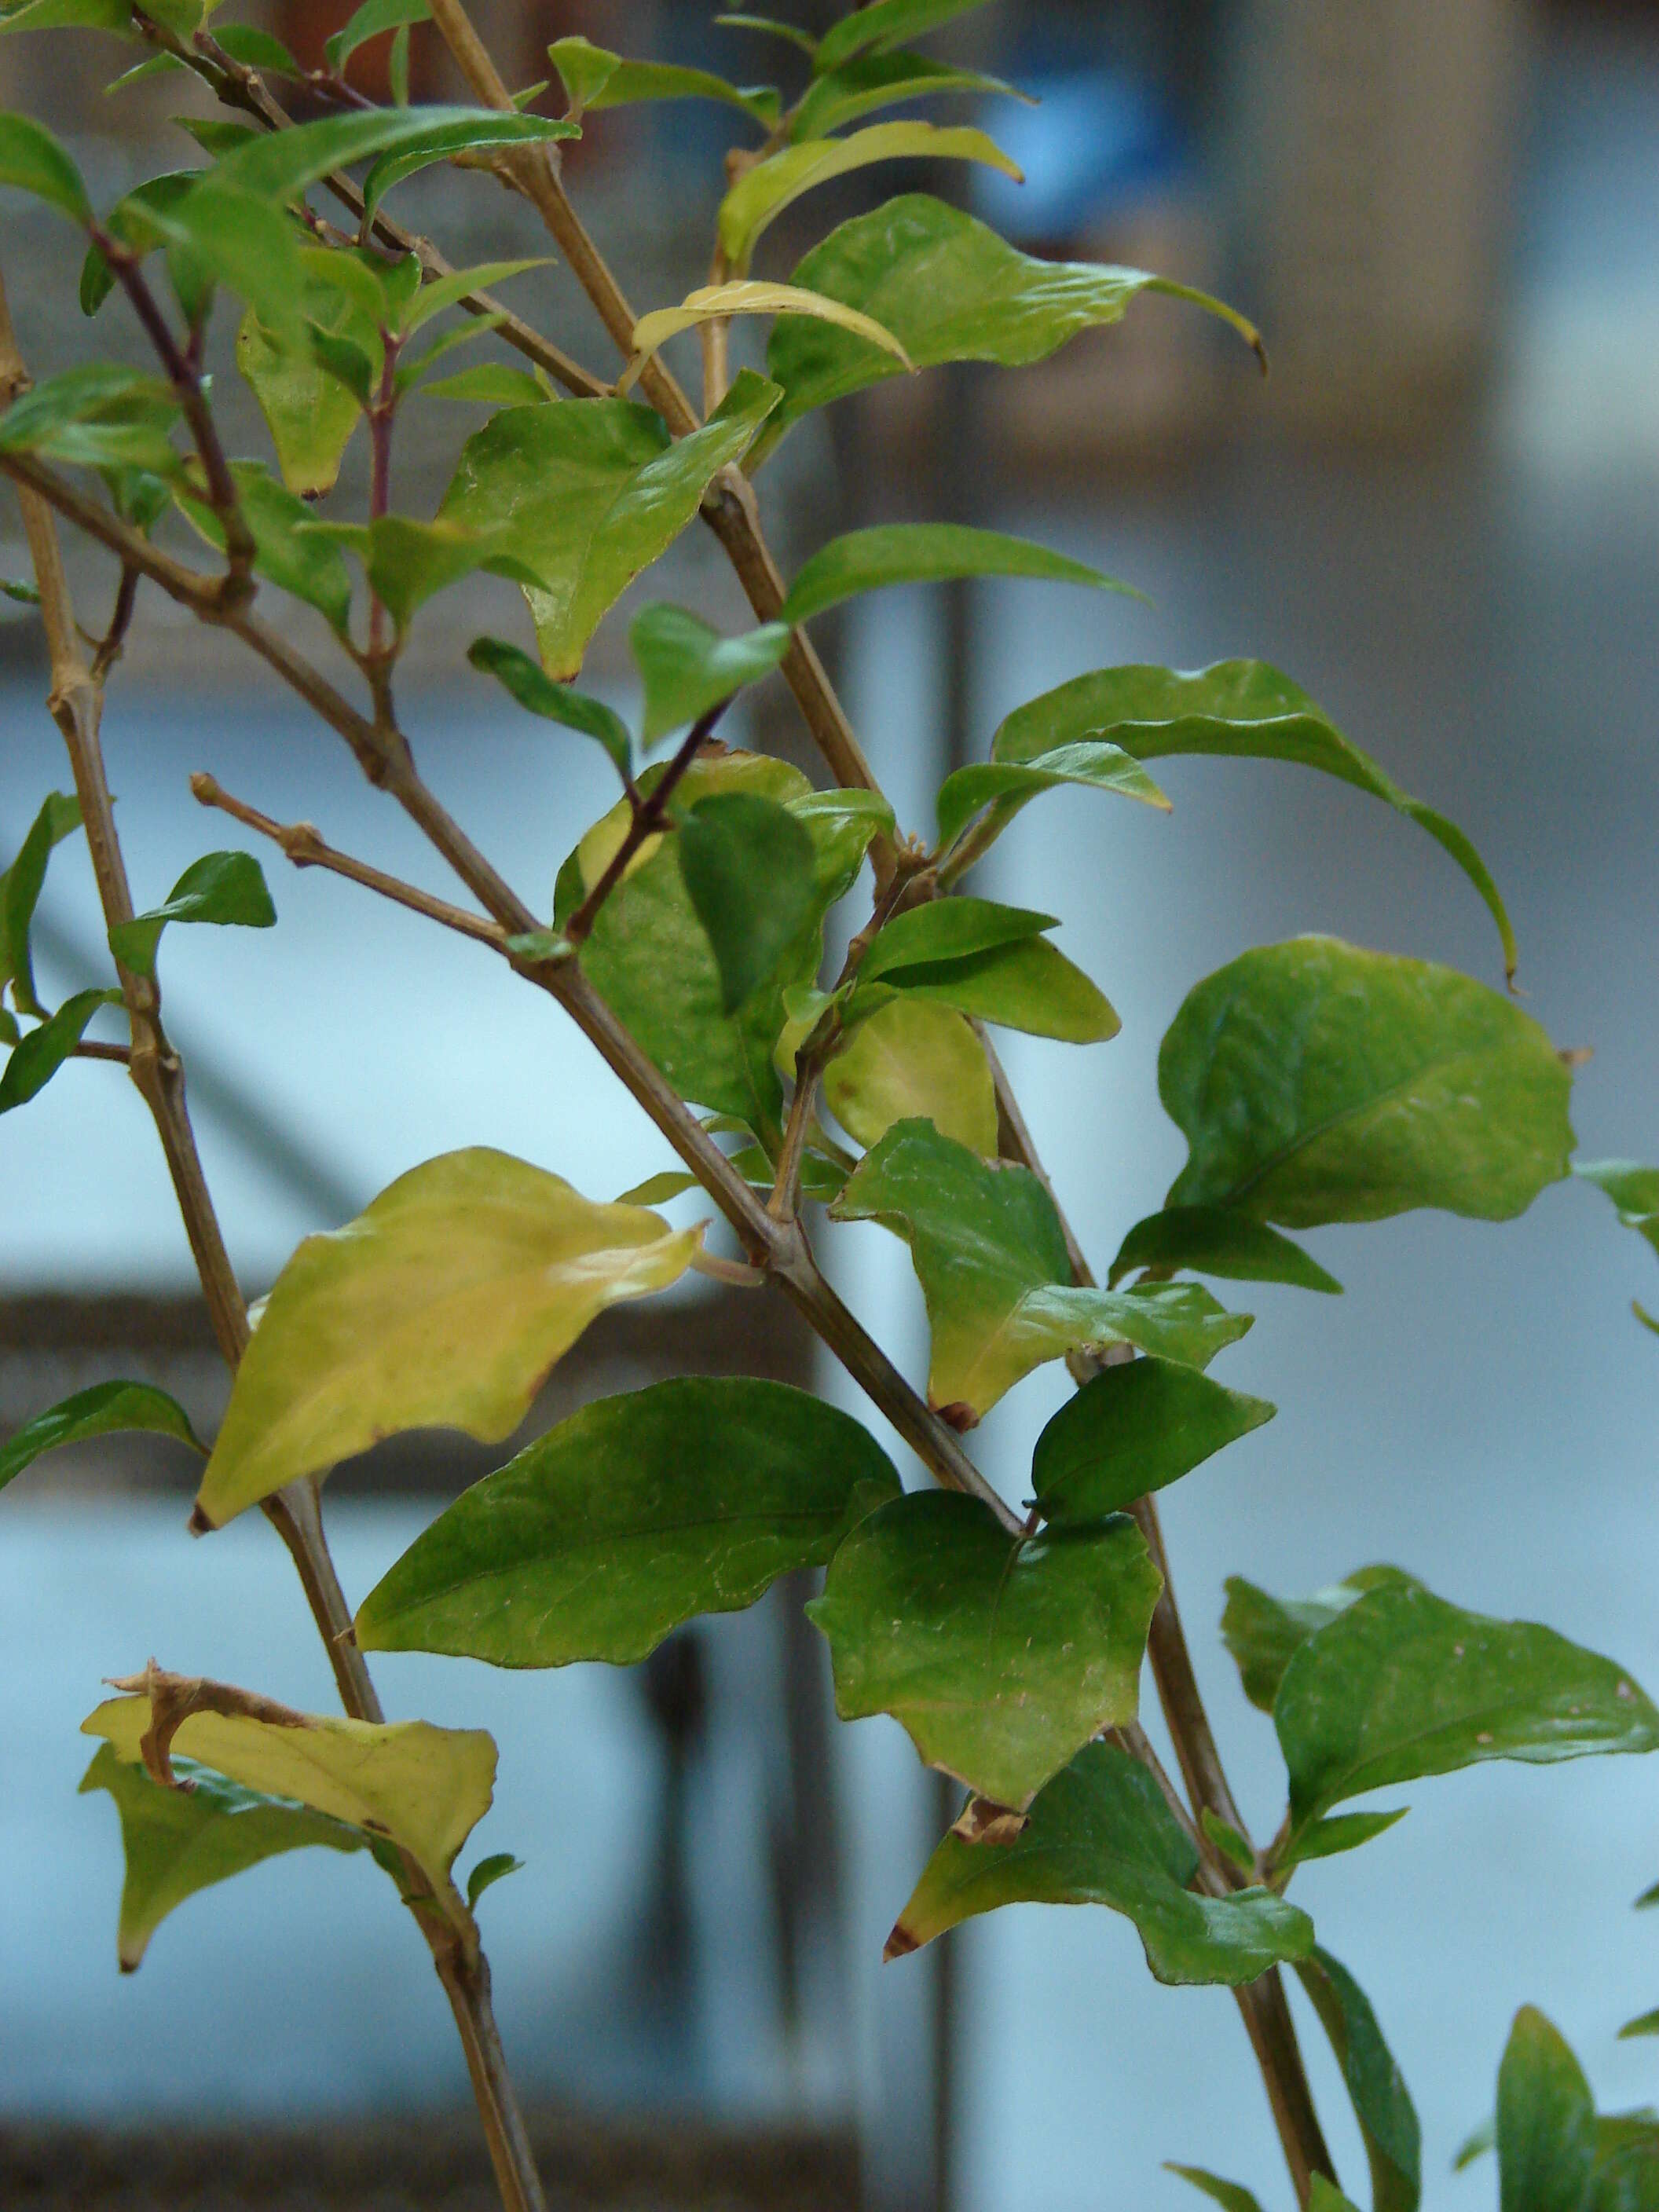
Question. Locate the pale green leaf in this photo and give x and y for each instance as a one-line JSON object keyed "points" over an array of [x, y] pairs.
{"points": [[1338, 1833], [460, 284], [492, 384], [945, 929], [632, 1516], [115, 15], [283, 164], [128, 220], [444, 1304], [787, 32], [1210, 1240], [744, 296], [104, 1409], [538, 694], [407, 561], [221, 233], [912, 1059], [924, 552], [101, 413], [595, 78], [1026, 985], [1633, 1188], [688, 667], [1100, 1833], [1132, 1430], [1000, 1656], [309, 414], [223, 888], [1382, 2103]]}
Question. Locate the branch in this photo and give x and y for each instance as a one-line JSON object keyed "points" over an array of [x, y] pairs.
{"points": [[649, 817]]}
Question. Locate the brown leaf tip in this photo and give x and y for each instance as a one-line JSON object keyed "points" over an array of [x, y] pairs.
{"points": [[899, 1944], [958, 1415], [982, 1821]]}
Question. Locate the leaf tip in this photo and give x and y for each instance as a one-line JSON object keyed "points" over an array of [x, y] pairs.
{"points": [[899, 1944]]}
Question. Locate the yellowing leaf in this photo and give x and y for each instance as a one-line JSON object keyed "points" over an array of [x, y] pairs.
{"points": [[443, 1305], [744, 296], [909, 1059]]}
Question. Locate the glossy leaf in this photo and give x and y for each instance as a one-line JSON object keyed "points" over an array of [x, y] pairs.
{"points": [[990, 1255], [444, 1304], [1008, 787], [104, 1409], [1028, 985], [949, 289], [909, 1060], [1382, 2103], [870, 82], [947, 930], [287, 551], [1237, 709], [1546, 2121], [1315, 1082], [999, 1656], [555, 702], [595, 78], [222, 888], [744, 296], [882, 26], [1208, 1240], [1232, 2195], [1100, 1833], [309, 414], [422, 1788], [591, 491], [1338, 1833], [32, 161], [1400, 1684], [177, 1842], [372, 21], [750, 872], [688, 667], [762, 193], [445, 139], [923, 553], [42, 1052], [1133, 1430], [1264, 1633], [21, 886], [630, 1517]]}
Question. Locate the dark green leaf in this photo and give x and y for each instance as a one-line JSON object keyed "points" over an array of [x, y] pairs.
{"points": [[225, 888], [43, 1051], [22, 593], [1402, 1684], [180, 1841], [1237, 709], [751, 871], [1315, 1082], [468, 132], [1133, 1430], [287, 551], [32, 161], [595, 78], [882, 26], [1000, 1656], [1546, 2121], [1263, 1634], [874, 81], [947, 929], [1232, 2195], [591, 491], [20, 894], [1100, 1833], [688, 667], [370, 21], [923, 553], [1007, 787], [105, 1409], [636, 1513], [487, 1874], [1208, 1240], [949, 290], [555, 702], [1382, 2103], [1339, 1832], [991, 1257]]}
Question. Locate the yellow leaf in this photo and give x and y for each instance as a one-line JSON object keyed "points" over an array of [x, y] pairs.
{"points": [[911, 1058], [745, 296], [443, 1305]]}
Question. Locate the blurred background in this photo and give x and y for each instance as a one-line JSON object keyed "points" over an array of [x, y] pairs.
{"points": [[1441, 516]]}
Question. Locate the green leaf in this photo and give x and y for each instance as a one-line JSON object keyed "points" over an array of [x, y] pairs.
{"points": [[949, 290], [282, 165], [1232, 1846], [128, 220], [1315, 1082], [1382, 2103], [688, 667], [875, 81], [1208, 1240], [762, 193], [221, 233], [743, 296], [1027, 985], [1633, 1188], [1645, 2023], [1341, 1832], [649, 957], [214, 134], [22, 593], [787, 32], [424, 1788], [32, 161], [595, 79], [20, 894], [947, 930], [555, 702], [1237, 709], [309, 414], [593, 491], [921, 553], [177, 1842], [637, 1513], [223, 888], [751, 871], [1100, 1833], [487, 1874], [911, 1060], [1626, 2175], [1325, 2196], [999, 1656], [287, 551], [37, 1058], [444, 1304], [1008, 787], [492, 384], [1232, 2195], [882, 26], [1546, 2121], [105, 1409], [243, 42], [443, 292], [1402, 1684], [468, 132], [1263, 1634], [1133, 1430], [68, 16], [374, 18], [408, 562], [990, 1254], [101, 413]]}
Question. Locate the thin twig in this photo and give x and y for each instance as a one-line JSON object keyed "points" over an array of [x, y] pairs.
{"points": [[650, 815]]}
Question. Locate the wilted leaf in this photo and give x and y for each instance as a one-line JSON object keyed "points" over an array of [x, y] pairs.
{"points": [[1000, 1656], [223, 888], [635, 1515], [908, 1060], [105, 1409], [444, 1304], [1132, 1430], [924, 553]]}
